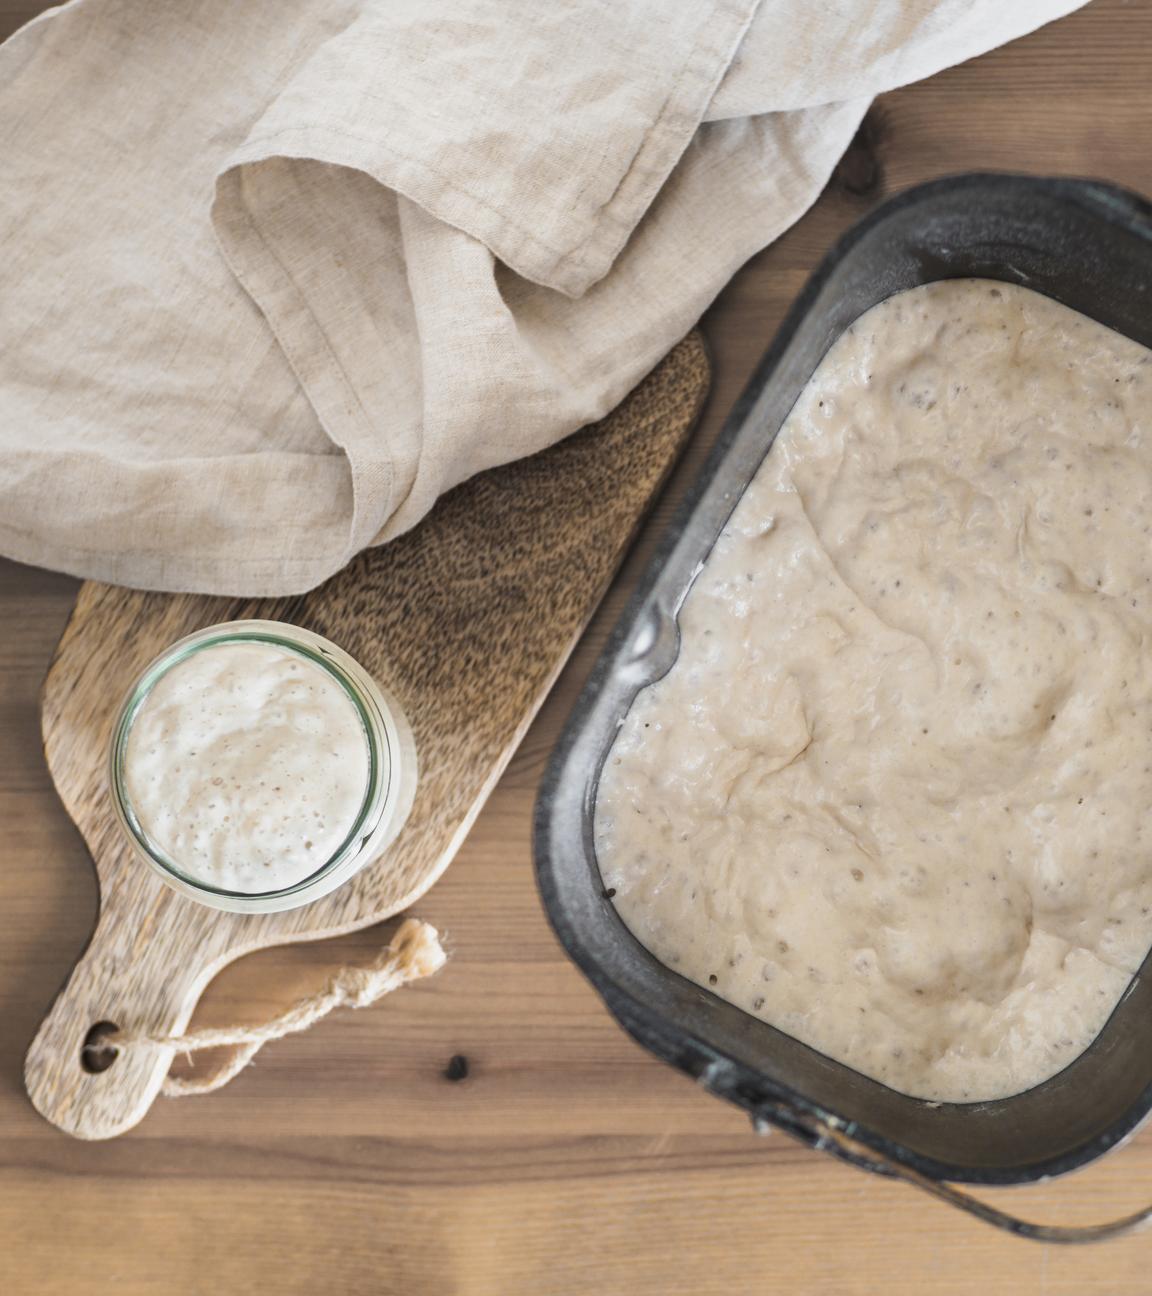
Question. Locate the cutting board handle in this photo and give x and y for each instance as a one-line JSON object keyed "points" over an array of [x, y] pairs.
{"points": [[128, 979]]}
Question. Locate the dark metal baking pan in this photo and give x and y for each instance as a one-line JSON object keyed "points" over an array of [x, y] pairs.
{"points": [[1085, 244]]}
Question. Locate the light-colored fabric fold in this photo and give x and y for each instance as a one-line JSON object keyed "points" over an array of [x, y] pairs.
{"points": [[276, 276], [445, 107], [834, 49]]}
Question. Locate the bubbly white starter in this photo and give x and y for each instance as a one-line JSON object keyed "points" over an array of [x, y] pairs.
{"points": [[247, 764], [895, 795]]}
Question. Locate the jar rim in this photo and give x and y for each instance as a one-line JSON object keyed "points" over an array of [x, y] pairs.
{"points": [[313, 648]]}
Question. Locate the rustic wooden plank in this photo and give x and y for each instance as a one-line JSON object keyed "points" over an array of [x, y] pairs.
{"points": [[568, 1161]]}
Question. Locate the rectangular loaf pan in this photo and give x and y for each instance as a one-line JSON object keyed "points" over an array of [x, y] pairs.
{"points": [[1089, 246]]}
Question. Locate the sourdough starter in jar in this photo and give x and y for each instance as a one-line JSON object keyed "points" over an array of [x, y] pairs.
{"points": [[895, 795], [247, 765]]}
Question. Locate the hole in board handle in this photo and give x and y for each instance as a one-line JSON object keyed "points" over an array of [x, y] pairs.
{"points": [[95, 1055]]}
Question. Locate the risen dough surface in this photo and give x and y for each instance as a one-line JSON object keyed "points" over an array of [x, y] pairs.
{"points": [[894, 795]]}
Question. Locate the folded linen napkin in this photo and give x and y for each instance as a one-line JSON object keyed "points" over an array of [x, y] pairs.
{"points": [[276, 275]]}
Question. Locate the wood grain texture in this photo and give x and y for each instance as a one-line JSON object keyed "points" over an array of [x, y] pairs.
{"points": [[568, 1161], [465, 621]]}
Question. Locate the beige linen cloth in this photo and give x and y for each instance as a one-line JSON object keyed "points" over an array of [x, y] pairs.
{"points": [[273, 276]]}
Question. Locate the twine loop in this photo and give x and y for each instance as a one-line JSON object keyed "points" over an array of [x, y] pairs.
{"points": [[414, 953]]}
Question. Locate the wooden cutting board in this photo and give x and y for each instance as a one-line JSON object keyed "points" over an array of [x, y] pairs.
{"points": [[467, 620]]}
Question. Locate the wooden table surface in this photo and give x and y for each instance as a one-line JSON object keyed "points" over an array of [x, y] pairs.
{"points": [[567, 1160]]}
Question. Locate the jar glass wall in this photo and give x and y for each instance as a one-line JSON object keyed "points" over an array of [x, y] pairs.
{"points": [[389, 786]]}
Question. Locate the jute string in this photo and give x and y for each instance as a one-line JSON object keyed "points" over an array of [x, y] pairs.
{"points": [[415, 953]]}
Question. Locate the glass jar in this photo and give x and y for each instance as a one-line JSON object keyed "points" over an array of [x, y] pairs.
{"points": [[388, 794]]}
